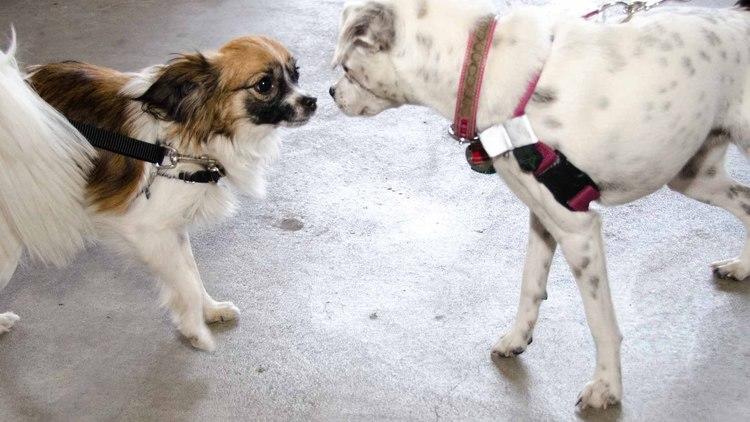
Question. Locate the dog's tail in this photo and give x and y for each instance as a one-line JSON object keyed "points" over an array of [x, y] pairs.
{"points": [[744, 4], [43, 166]]}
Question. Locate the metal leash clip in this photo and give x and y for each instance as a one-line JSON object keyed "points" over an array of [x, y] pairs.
{"points": [[173, 157]]}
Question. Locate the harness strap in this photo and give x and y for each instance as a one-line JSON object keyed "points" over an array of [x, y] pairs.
{"points": [[570, 186]]}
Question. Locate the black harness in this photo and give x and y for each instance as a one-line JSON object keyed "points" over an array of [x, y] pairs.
{"points": [[155, 154]]}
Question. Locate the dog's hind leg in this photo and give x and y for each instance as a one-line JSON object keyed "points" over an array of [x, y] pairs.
{"points": [[704, 178], [540, 250]]}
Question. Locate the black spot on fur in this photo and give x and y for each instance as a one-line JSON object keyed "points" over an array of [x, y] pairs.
{"points": [[544, 96], [711, 37], [425, 41], [744, 3], [373, 21], [678, 39], [737, 190], [687, 63], [719, 132], [422, 9], [594, 281], [552, 123], [612, 186]]}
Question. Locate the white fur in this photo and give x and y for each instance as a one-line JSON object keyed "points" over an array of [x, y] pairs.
{"points": [[43, 163], [633, 105]]}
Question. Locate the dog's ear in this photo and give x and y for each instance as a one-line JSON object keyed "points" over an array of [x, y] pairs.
{"points": [[181, 87], [369, 25]]}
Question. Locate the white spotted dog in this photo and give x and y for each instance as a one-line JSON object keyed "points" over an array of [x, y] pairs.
{"points": [[652, 102], [219, 109]]}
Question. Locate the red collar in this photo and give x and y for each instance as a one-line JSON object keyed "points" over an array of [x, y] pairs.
{"points": [[464, 128]]}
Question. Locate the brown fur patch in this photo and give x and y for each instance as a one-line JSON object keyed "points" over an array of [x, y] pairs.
{"points": [[242, 60], [89, 94]]}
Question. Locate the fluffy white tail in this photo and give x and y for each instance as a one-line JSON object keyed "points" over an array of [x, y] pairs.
{"points": [[43, 167]]}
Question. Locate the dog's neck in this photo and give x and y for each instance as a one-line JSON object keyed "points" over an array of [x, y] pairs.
{"points": [[520, 46]]}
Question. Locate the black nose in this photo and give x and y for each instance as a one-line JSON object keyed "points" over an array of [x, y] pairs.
{"points": [[309, 102], [332, 91]]}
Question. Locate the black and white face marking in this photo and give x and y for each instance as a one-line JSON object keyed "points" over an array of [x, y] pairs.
{"points": [[273, 97]]}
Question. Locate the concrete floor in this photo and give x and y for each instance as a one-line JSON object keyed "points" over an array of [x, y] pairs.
{"points": [[374, 278]]}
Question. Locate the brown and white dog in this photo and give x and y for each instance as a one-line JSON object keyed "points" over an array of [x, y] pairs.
{"points": [[56, 191]]}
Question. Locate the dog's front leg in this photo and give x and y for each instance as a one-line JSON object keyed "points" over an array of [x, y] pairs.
{"points": [[167, 252], [541, 249], [213, 311], [579, 237], [583, 248]]}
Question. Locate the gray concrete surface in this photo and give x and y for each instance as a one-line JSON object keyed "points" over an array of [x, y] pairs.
{"points": [[385, 304]]}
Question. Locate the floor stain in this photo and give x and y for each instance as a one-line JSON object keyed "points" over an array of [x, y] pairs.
{"points": [[291, 225]]}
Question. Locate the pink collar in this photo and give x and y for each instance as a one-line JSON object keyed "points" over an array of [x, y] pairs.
{"points": [[464, 128]]}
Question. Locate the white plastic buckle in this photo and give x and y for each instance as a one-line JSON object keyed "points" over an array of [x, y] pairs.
{"points": [[512, 134]]}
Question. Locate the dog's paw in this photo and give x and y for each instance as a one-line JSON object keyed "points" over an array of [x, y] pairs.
{"points": [[512, 344], [7, 320], [220, 312], [599, 394], [200, 337], [733, 269]]}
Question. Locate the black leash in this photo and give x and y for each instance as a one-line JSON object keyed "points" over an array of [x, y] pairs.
{"points": [[151, 153]]}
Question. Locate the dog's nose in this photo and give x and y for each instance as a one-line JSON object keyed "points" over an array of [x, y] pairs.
{"points": [[332, 91], [309, 102]]}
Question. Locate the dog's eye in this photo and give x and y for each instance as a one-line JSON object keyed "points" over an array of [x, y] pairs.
{"points": [[346, 68], [264, 86]]}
